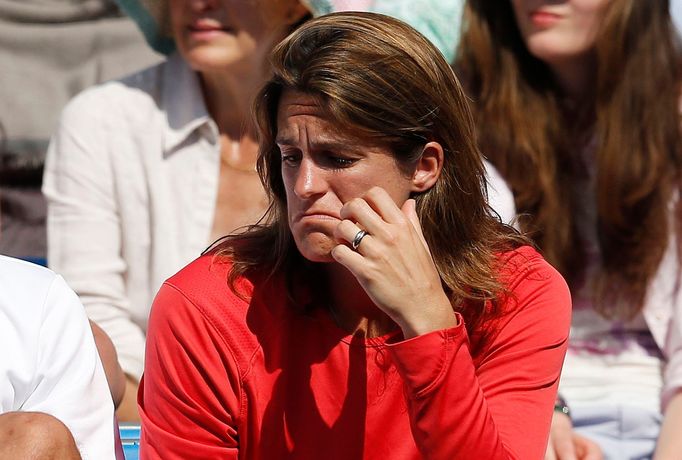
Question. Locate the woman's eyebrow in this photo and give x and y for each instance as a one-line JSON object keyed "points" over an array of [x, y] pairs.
{"points": [[324, 143]]}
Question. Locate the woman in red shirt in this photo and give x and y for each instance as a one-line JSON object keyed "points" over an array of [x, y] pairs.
{"points": [[380, 310]]}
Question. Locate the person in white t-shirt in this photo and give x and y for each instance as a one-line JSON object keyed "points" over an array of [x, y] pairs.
{"points": [[54, 398]]}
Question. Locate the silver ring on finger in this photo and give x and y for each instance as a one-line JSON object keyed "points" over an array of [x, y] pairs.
{"points": [[358, 239]]}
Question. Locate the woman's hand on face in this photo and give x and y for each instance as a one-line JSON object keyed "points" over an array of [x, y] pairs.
{"points": [[393, 263]]}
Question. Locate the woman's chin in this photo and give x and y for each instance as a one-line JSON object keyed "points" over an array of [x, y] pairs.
{"points": [[207, 58], [317, 248]]}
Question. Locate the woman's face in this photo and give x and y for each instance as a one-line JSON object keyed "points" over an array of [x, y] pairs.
{"points": [[323, 169], [557, 31], [226, 34]]}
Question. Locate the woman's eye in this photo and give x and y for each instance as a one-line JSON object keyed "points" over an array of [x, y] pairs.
{"points": [[290, 159], [341, 162]]}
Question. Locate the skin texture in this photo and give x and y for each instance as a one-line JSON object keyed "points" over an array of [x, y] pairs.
{"points": [[669, 443], [563, 35], [323, 170], [122, 387], [228, 35], [34, 435], [127, 410], [556, 30], [565, 444], [336, 186], [107, 353]]}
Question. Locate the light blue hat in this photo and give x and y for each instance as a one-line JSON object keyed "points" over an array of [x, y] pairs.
{"points": [[438, 20], [153, 20]]}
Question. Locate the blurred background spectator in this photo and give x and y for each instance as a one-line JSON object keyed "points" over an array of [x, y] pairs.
{"points": [[143, 173], [578, 104], [49, 51]]}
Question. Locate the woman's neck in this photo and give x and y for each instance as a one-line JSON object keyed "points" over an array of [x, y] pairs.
{"points": [[351, 308], [576, 78], [228, 99]]}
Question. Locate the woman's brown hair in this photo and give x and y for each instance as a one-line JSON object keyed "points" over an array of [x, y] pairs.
{"points": [[382, 82], [536, 140]]}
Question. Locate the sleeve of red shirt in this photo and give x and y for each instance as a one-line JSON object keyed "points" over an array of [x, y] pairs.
{"points": [[502, 407], [189, 394]]}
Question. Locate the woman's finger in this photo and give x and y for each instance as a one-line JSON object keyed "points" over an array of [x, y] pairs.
{"points": [[564, 448], [384, 205], [409, 209], [550, 454], [349, 232], [587, 449], [561, 437], [359, 211], [350, 259]]}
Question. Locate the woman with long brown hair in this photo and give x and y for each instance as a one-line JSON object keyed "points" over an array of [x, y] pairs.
{"points": [[144, 173], [380, 310], [577, 104]]}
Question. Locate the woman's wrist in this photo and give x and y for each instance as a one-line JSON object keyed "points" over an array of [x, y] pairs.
{"points": [[561, 406], [440, 316]]}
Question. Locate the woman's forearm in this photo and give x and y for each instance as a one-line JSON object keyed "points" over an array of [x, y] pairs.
{"points": [[669, 443]]}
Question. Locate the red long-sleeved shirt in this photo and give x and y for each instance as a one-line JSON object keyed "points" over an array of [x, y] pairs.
{"points": [[227, 378]]}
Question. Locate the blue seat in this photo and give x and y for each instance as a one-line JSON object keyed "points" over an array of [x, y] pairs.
{"points": [[130, 438]]}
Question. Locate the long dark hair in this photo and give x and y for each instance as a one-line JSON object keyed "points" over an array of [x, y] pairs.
{"points": [[530, 135], [380, 80]]}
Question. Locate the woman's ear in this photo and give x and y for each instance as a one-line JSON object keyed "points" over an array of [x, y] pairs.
{"points": [[428, 168], [283, 14]]}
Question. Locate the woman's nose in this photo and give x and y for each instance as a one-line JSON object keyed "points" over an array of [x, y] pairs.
{"points": [[203, 5], [310, 180]]}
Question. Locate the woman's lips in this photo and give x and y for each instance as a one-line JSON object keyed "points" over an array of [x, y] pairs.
{"points": [[312, 215], [316, 216], [544, 18], [204, 29]]}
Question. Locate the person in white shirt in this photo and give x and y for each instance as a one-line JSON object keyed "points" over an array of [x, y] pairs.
{"points": [[144, 173], [54, 398]]}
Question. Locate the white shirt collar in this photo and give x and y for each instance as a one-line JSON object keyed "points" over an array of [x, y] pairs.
{"points": [[182, 101]]}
